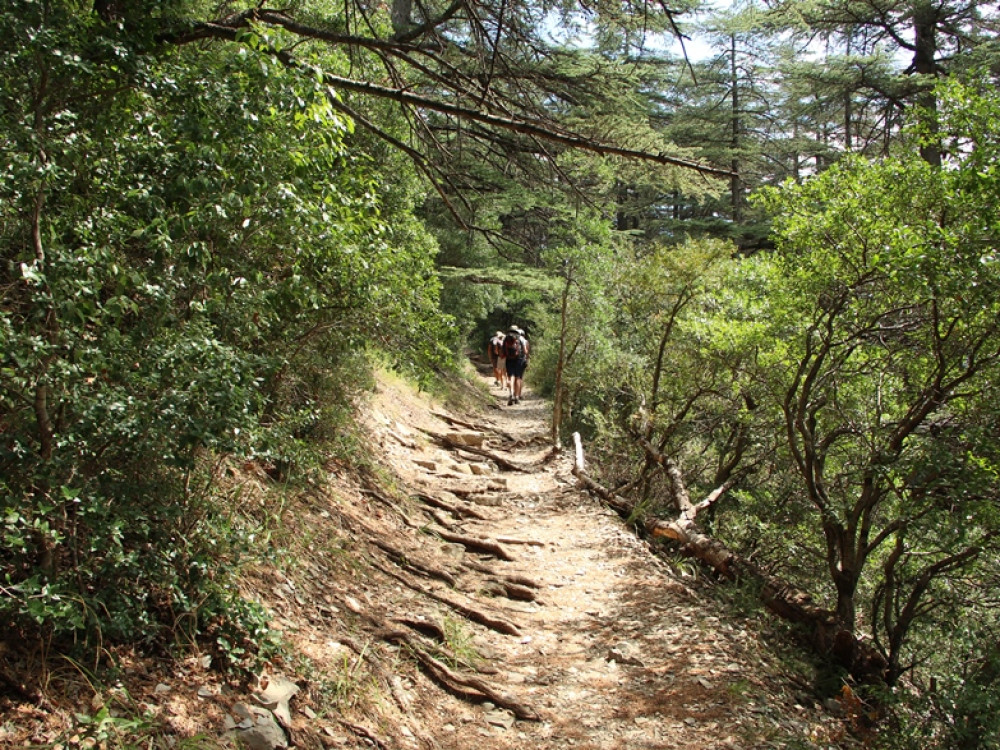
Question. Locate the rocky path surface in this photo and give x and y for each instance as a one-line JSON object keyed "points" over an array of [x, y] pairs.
{"points": [[616, 651], [450, 588]]}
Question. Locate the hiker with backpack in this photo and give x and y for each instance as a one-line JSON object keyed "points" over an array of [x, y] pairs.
{"points": [[498, 359], [517, 351]]}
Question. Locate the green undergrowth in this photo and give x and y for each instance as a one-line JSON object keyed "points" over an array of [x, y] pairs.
{"points": [[246, 519], [158, 569]]}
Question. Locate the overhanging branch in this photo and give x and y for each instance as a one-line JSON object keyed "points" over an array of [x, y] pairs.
{"points": [[231, 30]]}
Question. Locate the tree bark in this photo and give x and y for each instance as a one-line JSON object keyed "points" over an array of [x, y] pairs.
{"points": [[557, 402], [925, 23]]}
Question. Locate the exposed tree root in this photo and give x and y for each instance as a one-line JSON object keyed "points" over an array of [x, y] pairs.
{"points": [[365, 733], [528, 542], [485, 619], [503, 463], [452, 443], [529, 442], [459, 511], [515, 587], [493, 623], [408, 561], [469, 489], [456, 421], [442, 521], [489, 428], [426, 627], [517, 592], [462, 685], [486, 546], [514, 578]]}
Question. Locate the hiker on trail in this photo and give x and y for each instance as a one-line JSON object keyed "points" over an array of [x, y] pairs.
{"points": [[498, 359], [516, 350]]}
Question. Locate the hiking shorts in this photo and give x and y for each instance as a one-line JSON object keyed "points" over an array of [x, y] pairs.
{"points": [[516, 367], [501, 364]]}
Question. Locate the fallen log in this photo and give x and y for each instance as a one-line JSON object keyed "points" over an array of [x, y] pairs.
{"points": [[825, 632]]}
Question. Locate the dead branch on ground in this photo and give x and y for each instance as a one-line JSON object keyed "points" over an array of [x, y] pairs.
{"points": [[827, 634]]}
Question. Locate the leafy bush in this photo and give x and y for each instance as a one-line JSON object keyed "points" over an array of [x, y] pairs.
{"points": [[195, 263]]}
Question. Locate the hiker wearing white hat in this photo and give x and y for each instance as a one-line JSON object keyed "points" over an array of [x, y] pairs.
{"points": [[516, 350], [498, 359]]}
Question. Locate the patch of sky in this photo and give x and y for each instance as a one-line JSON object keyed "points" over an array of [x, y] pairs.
{"points": [[576, 30]]}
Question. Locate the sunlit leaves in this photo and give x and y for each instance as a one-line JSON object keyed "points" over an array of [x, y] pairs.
{"points": [[192, 251]]}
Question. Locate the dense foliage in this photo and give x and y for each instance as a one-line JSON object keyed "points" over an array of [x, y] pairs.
{"points": [[210, 217], [195, 259], [841, 392]]}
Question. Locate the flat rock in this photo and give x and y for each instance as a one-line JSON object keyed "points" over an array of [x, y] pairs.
{"points": [[474, 439], [502, 719], [264, 735], [626, 652], [487, 500], [278, 689]]}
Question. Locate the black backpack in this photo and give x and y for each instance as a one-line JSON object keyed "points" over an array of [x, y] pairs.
{"points": [[513, 347]]}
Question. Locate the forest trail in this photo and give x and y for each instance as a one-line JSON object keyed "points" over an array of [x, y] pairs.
{"points": [[452, 589], [616, 651]]}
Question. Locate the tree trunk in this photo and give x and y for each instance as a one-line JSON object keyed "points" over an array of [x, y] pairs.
{"points": [[400, 16], [925, 18], [735, 182], [557, 404]]}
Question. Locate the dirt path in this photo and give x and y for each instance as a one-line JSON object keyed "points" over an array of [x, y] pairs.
{"points": [[617, 651], [451, 589]]}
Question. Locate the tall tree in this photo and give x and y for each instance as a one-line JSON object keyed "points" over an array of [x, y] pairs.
{"points": [[934, 36], [891, 324]]}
